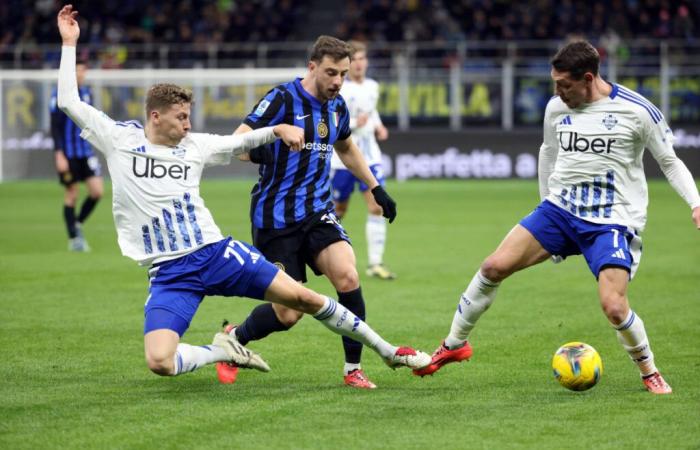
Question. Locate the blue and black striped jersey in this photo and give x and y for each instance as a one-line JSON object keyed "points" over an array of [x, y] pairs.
{"points": [[297, 185], [65, 133]]}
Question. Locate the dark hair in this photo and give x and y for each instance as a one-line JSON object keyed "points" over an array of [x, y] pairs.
{"points": [[577, 58], [330, 46], [162, 95]]}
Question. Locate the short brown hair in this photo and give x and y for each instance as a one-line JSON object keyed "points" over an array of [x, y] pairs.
{"points": [[357, 46], [330, 46], [577, 58], [162, 95]]}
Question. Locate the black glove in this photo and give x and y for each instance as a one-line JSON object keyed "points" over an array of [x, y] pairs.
{"points": [[262, 155], [387, 203]]}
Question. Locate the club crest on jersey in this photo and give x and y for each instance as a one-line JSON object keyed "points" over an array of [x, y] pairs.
{"points": [[322, 129], [609, 121]]}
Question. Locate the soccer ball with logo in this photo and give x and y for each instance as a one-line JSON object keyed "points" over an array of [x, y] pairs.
{"points": [[577, 366]]}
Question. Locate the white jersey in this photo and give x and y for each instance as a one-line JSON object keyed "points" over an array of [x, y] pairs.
{"points": [[362, 98], [591, 158], [158, 211]]}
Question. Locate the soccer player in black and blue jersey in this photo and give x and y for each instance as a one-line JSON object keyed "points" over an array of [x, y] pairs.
{"points": [[292, 213], [75, 162]]}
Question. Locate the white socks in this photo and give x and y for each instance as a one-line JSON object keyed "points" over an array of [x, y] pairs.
{"points": [[189, 358], [375, 229], [633, 337], [349, 367], [474, 301], [340, 320]]}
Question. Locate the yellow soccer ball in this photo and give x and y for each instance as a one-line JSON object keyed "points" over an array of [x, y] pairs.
{"points": [[577, 366]]}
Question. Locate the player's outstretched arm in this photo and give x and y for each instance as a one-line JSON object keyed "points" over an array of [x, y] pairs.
{"points": [[291, 135], [95, 124], [250, 145]]}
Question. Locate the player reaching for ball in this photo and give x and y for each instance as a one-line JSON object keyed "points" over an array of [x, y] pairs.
{"points": [[594, 202]]}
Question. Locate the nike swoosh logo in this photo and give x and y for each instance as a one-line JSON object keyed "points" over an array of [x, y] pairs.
{"points": [[302, 117]]}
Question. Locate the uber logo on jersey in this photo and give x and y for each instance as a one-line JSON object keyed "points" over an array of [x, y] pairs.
{"points": [[572, 142], [151, 169]]}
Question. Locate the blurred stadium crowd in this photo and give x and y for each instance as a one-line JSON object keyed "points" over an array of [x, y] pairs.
{"points": [[129, 29]]}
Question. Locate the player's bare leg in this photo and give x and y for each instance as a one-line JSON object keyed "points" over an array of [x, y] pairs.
{"points": [[70, 198], [375, 231], [612, 289], [95, 189], [518, 251], [337, 262], [286, 291], [166, 356]]}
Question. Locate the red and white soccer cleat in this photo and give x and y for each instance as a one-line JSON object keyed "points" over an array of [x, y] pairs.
{"points": [[227, 372], [656, 384], [408, 357], [358, 379], [444, 355]]}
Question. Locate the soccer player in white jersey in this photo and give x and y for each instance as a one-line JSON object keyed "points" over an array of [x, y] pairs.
{"points": [[361, 95], [594, 202], [161, 220]]}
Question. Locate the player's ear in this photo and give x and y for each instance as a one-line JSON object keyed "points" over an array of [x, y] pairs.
{"points": [[589, 77], [312, 66]]}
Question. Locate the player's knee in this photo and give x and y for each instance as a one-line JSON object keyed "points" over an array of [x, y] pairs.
{"points": [[290, 317], [347, 279], [615, 307], [70, 197], [160, 364], [494, 269]]}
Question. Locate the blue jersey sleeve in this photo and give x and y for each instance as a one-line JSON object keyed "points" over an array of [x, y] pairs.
{"points": [[269, 111], [344, 121]]}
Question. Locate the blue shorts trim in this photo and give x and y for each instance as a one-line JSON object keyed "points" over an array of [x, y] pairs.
{"points": [[343, 182], [602, 245], [228, 268]]}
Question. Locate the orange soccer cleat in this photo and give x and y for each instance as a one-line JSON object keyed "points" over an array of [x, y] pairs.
{"points": [[358, 379], [444, 355], [656, 384]]}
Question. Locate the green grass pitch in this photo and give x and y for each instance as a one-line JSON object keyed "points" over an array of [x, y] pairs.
{"points": [[73, 374]]}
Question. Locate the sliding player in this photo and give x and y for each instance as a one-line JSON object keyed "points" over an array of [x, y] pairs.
{"points": [[162, 221]]}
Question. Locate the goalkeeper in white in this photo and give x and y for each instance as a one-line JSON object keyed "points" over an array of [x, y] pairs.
{"points": [[162, 221]]}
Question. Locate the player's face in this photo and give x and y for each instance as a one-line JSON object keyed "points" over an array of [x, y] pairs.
{"points": [[329, 76], [80, 72], [358, 65], [173, 123], [572, 92]]}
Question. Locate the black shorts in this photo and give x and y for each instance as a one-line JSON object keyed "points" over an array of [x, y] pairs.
{"points": [[292, 249], [80, 169]]}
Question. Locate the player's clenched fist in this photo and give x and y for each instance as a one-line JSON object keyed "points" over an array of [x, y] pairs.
{"points": [[291, 135], [68, 25]]}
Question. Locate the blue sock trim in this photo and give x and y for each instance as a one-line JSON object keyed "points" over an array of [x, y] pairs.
{"points": [[327, 312], [178, 369], [627, 324]]}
